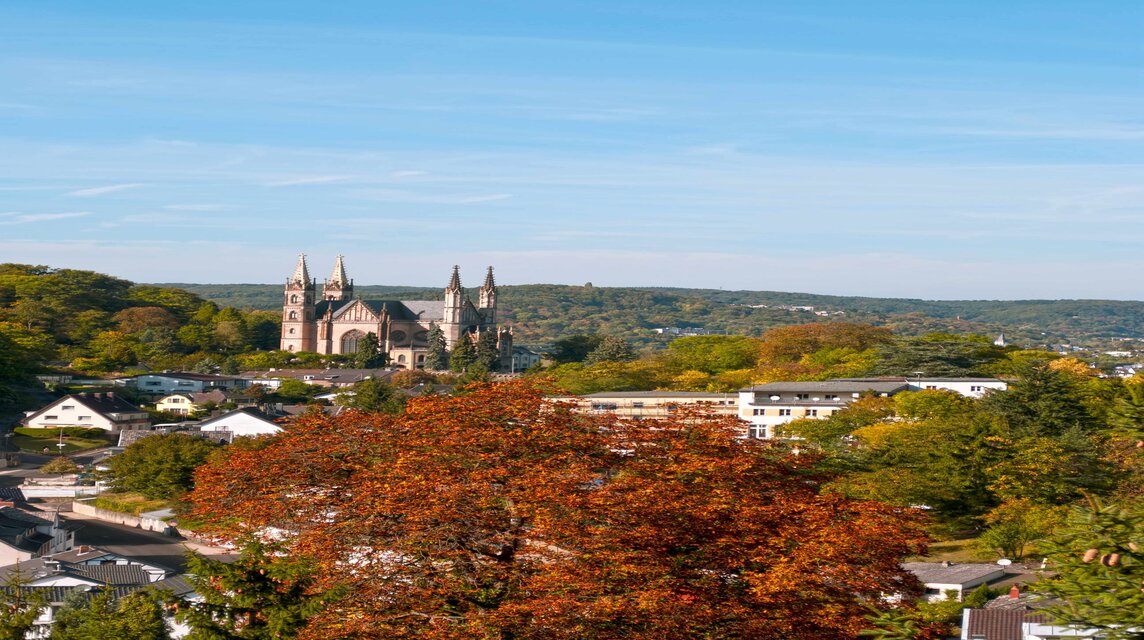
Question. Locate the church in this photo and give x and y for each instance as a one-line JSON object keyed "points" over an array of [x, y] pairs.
{"points": [[335, 321]]}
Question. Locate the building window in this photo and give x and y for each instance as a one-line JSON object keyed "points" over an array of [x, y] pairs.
{"points": [[801, 396], [293, 315], [759, 412], [812, 413], [603, 406], [830, 396], [401, 359], [350, 341], [784, 412], [84, 418], [637, 405], [291, 331], [975, 388], [293, 299], [51, 417], [931, 387], [68, 407], [758, 432]]}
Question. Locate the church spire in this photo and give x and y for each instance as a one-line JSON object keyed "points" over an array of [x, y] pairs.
{"points": [[489, 283], [488, 299], [339, 275], [338, 287], [301, 273], [455, 281]]}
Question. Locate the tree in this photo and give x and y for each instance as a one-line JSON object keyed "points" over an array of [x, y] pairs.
{"points": [[437, 357], [60, 465], [369, 353], [712, 354], [160, 466], [263, 595], [574, 348], [493, 514], [464, 354], [611, 349], [20, 606], [1041, 402], [1015, 524], [373, 395], [99, 616], [1099, 568], [488, 354]]}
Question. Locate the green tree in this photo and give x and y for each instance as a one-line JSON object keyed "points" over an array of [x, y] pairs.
{"points": [[437, 357], [373, 395], [20, 606], [99, 616], [464, 354], [574, 348], [712, 354], [488, 355], [294, 390], [1041, 402], [611, 349], [161, 466], [1099, 565], [369, 353], [263, 595], [1016, 524]]}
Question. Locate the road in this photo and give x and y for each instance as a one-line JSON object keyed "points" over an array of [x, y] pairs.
{"points": [[145, 546]]}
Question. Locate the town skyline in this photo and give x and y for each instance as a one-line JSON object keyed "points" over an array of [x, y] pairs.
{"points": [[890, 150]]}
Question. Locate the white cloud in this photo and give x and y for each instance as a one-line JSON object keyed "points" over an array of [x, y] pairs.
{"points": [[308, 180], [98, 191], [196, 207], [15, 217]]}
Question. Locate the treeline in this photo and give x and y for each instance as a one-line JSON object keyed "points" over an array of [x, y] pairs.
{"points": [[586, 363], [542, 313], [92, 322]]}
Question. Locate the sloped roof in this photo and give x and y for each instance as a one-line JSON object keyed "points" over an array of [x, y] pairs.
{"points": [[999, 624], [952, 573], [840, 386]]}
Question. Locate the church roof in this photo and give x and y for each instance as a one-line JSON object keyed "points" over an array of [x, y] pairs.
{"points": [[301, 273], [410, 310], [339, 275]]}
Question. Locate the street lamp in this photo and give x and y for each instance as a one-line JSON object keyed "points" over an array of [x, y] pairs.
{"points": [[61, 445]]}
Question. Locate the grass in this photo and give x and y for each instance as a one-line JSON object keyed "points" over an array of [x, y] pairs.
{"points": [[132, 503], [965, 550], [71, 445]]}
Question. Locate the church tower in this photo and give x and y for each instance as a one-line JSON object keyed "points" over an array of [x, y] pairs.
{"points": [[338, 287], [488, 300], [454, 298], [298, 309]]}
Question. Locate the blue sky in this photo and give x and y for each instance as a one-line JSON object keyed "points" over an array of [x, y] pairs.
{"points": [[908, 149]]}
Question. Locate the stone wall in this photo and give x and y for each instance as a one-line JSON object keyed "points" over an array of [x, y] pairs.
{"points": [[83, 507]]}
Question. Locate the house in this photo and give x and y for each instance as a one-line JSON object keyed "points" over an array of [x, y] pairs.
{"points": [[941, 578], [93, 410], [767, 406], [183, 404], [523, 359], [332, 378], [25, 536], [240, 422], [652, 404], [88, 570], [181, 382]]}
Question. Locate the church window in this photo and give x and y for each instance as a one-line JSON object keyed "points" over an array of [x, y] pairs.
{"points": [[401, 359], [293, 299], [350, 341], [292, 331], [290, 348], [293, 315]]}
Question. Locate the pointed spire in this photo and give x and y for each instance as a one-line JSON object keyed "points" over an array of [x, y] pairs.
{"points": [[339, 276], [489, 282], [301, 273], [455, 281]]}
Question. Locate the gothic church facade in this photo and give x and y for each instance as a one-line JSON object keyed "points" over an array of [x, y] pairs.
{"points": [[335, 322]]}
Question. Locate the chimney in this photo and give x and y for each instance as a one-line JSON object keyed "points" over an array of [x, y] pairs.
{"points": [[1014, 592]]}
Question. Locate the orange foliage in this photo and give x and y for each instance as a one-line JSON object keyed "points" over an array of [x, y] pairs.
{"points": [[789, 344], [495, 515]]}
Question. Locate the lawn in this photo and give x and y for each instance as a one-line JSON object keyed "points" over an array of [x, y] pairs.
{"points": [[132, 503], [71, 445]]}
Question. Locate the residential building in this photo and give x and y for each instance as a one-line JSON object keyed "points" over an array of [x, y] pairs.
{"points": [[25, 535], [334, 378], [652, 404], [523, 359], [335, 322], [767, 406], [240, 422], [943, 579], [184, 404], [94, 410], [182, 382]]}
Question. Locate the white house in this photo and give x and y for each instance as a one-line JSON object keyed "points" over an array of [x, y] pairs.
{"points": [[182, 382], [941, 578], [241, 422], [24, 536], [93, 410]]}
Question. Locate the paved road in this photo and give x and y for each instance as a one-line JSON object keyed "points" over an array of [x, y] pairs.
{"points": [[145, 546]]}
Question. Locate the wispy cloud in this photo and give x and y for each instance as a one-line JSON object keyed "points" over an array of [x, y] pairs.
{"points": [[15, 217], [99, 191], [196, 207], [308, 180], [395, 195], [407, 174]]}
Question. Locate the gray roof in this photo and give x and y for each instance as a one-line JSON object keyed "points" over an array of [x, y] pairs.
{"points": [[660, 394], [999, 624], [953, 573], [842, 386]]}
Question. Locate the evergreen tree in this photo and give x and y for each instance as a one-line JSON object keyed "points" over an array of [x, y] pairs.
{"points": [[437, 359], [488, 355], [373, 395], [464, 354], [1042, 402], [264, 594], [611, 349], [19, 606], [98, 616], [369, 353]]}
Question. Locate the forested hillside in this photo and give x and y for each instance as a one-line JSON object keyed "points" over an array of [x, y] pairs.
{"points": [[541, 313]]}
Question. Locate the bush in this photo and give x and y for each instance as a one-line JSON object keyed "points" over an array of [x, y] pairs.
{"points": [[60, 465]]}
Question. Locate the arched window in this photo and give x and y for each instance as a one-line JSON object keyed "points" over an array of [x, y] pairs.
{"points": [[294, 299], [350, 341], [293, 315], [401, 359], [291, 331], [290, 348]]}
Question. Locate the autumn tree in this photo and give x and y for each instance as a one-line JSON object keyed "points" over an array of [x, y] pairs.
{"points": [[494, 514]]}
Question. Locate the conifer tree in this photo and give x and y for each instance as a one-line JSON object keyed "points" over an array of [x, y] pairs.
{"points": [[488, 355], [437, 358], [99, 616], [464, 354], [19, 606], [611, 349]]}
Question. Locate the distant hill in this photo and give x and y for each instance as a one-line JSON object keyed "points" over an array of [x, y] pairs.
{"points": [[541, 313]]}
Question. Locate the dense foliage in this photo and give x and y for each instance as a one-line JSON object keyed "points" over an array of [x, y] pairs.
{"points": [[160, 466], [492, 515]]}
